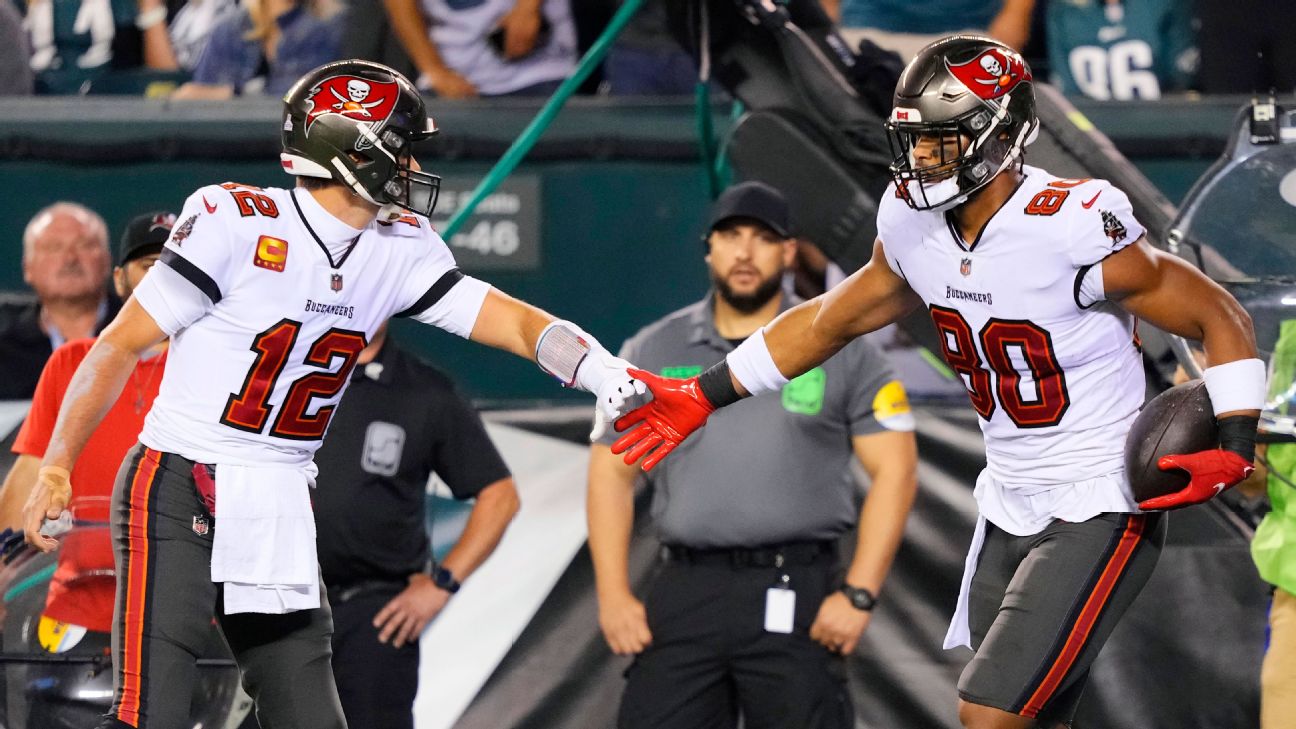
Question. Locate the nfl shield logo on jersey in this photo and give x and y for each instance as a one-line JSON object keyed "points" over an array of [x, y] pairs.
{"points": [[965, 267], [335, 282], [200, 525]]}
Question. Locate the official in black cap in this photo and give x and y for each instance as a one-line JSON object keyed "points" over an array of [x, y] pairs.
{"points": [[752, 610], [755, 201], [140, 245], [744, 277]]}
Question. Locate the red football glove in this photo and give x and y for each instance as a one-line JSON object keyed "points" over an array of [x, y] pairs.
{"points": [[1211, 471], [678, 408]]}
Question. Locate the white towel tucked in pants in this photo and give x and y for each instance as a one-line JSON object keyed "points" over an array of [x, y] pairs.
{"points": [[263, 548]]}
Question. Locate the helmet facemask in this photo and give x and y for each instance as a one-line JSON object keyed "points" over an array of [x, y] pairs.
{"points": [[402, 187], [968, 151]]}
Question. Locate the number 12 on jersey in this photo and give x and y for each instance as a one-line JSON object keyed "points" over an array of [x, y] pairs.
{"points": [[999, 338], [249, 408]]}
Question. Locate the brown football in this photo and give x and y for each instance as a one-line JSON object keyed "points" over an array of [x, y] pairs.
{"points": [[1179, 420]]}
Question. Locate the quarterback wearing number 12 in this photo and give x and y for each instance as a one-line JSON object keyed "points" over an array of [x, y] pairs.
{"points": [[269, 295], [1033, 283]]}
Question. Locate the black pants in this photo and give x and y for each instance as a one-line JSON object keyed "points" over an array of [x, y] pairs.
{"points": [[711, 658], [166, 602], [375, 681]]}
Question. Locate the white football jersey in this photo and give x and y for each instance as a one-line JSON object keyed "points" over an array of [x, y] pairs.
{"points": [[1053, 370], [268, 300]]}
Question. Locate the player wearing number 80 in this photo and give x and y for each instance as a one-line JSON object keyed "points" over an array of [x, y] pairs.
{"points": [[1033, 283], [269, 295]]}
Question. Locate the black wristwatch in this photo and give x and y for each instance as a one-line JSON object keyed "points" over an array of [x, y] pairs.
{"points": [[860, 597], [444, 579]]}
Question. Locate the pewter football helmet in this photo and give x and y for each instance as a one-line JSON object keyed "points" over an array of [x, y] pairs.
{"points": [[972, 98], [354, 121]]}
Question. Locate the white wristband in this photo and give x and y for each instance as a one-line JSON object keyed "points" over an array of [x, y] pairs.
{"points": [[1237, 385], [151, 17], [754, 367]]}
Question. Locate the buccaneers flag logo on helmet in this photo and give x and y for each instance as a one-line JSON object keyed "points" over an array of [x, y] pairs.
{"points": [[992, 74], [355, 98]]}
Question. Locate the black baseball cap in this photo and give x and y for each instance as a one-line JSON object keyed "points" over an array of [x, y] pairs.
{"points": [[754, 200], [145, 234]]}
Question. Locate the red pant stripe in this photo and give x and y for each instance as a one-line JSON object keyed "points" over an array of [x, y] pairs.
{"points": [[1089, 615], [133, 618]]}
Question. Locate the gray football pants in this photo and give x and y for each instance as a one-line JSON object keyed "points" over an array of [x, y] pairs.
{"points": [[166, 601]]}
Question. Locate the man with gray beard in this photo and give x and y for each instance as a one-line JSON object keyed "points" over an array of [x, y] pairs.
{"points": [[751, 613]]}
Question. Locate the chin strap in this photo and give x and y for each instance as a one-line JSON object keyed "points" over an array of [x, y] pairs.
{"points": [[350, 181]]}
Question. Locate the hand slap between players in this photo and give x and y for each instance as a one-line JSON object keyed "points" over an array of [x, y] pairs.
{"points": [[613, 395], [678, 408], [1211, 473]]}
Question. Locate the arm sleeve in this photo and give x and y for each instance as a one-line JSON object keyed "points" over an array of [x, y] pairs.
{"points": [[878, 400], [438, 293], [464, 456], [34, 436], [195, 266]]}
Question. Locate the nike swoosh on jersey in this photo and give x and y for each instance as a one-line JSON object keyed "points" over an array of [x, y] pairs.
{"points": [[1085, 205], [1219, 488], [212, 208]]}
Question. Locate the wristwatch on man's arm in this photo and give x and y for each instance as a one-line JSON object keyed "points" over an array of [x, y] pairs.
{"points": [[444, 579], [861, 598]]}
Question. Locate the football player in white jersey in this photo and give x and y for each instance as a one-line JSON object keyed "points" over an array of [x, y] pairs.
{"points": [[269, 295], [1033, 283]]}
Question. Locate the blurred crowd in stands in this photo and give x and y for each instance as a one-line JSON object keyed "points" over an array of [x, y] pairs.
{"points": [[215, 49]]}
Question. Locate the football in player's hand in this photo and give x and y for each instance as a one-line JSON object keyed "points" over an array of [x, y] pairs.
{"points": [[1179, 420]]}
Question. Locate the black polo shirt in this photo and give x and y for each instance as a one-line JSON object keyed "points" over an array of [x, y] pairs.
{"points": [[400, 421], [24, 346]]}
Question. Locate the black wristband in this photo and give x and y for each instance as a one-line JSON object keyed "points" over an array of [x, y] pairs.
{"points": [[1237, 433], [717, 386]]}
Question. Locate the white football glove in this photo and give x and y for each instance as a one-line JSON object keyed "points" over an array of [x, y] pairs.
{"points": [[563, 346], [616, 391]]}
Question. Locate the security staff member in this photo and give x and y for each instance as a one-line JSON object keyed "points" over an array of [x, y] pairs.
{"points": [[403, 421], [749, 614]]}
